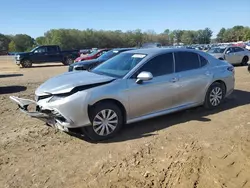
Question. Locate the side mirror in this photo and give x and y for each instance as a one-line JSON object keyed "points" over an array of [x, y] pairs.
{"points": [[228, 52], [144, 76], [36, 51]]}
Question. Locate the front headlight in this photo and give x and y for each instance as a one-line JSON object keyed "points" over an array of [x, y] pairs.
{"points": [[18, 57], [57, 97]]}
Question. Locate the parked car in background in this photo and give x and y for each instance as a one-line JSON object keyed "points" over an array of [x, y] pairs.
{"points": [[151, 45], [45, 54], [95, 54], [3, 52], [130, 87], [247, 46], [89, 64], [233, 55]]}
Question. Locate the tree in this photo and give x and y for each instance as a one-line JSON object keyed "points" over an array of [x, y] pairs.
{"points": [[40, 41], [220, 35], [188, 37], [4, 41], [12, 46], [177, 35], [23, 42]]}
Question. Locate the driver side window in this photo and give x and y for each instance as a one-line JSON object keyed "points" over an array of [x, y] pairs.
{"points": [[41, 50], [230, 50], [160, 65]]}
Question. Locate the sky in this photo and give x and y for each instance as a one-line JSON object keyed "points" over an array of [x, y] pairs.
{"points": [[36, 17]]}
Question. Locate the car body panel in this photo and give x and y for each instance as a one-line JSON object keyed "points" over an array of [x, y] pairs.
{"points": [[161, 95], [66, 82]]}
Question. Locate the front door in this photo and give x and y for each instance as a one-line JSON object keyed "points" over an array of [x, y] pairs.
{"points": [[157, 94], [39, 55]]}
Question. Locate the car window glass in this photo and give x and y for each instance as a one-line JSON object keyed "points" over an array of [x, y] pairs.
{"points": [[40, 50], [160, 65], [186, 61], [230, 50], [203, 61], [52, 49], [238, 49]]}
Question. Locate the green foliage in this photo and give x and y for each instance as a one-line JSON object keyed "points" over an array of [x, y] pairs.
{"points": [[89, 38], [237, 33], [4, 41], [23, 42], [12, 46]]}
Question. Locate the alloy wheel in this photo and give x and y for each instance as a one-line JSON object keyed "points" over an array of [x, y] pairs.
{"points": [[216, 96], [105, 122]]}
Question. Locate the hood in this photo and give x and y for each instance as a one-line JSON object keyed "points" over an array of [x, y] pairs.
{"points": [[217, 55], [83, 58], [66, 82], [86, 62], [23, 53]]}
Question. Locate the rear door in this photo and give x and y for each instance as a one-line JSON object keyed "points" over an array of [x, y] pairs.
{"points": [[157, 94], [194, 77], [239, 53], [230, 55], [39, 55], [53, 54]]}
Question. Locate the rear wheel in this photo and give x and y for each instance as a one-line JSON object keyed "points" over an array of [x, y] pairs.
{"points": [[106, 120], [215, 95], [26, 63], [244, 61], [68, 61]]}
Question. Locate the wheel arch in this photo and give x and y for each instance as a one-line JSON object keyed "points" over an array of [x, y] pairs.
{"points": [[216, 81], [110, 100]]}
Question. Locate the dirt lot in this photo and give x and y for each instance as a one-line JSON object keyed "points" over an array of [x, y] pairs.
{"points": [[194, 148]]}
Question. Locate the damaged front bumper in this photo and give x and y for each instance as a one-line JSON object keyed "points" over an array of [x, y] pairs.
{"points": [[51, 117]]}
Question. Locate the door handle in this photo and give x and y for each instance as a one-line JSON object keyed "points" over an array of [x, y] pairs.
{"points": [[207, 73], [174, 79]]}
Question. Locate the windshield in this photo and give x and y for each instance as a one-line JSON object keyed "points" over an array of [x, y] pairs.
{"points": [[120, 65], [108, 55], [34, 49], [94, 52], [216, 50]]}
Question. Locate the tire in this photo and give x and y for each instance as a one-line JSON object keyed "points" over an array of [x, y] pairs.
{"points": [[68, 61], [102, 128], [217, 90], [244, 61], [26, 63], [248, 68]]}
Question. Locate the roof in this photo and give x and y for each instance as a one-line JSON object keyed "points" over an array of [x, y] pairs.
{"points": [[122, 49], [155, 51]]}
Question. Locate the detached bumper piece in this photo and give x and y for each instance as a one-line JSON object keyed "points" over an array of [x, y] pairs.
{"points": [[51, 117]]}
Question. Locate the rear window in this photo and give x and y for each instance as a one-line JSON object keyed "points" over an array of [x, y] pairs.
{"points": [[186, 61], [203, 61]]}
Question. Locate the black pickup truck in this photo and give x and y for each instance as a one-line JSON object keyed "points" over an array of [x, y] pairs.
{"points": [[45, 54]]}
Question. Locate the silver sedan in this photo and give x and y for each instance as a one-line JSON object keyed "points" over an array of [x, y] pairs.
{"points": [[233, 55], [131, 87]]}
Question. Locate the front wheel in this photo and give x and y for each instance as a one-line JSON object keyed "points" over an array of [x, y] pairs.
{"points": [[26, 63], [106, 119], [215, 95]]}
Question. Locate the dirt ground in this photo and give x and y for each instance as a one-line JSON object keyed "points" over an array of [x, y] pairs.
{"points": [[194, 148]]}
